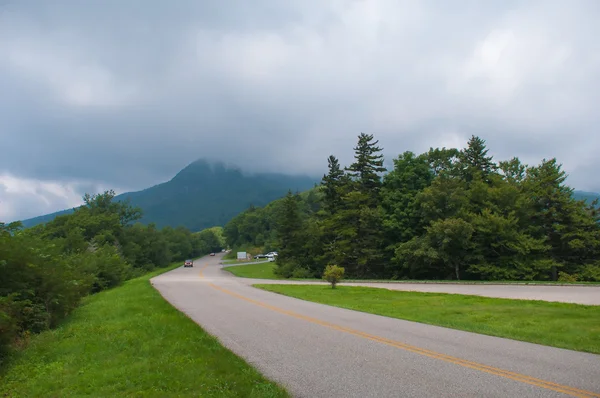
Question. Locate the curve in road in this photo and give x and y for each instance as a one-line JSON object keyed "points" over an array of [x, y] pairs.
{"points": [[316, 350]]}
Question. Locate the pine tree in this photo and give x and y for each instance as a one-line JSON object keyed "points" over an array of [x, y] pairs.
{"points": [[367, 167], [358, 224], [474, 161], [333, 183], [289, 235], [569, 230]]}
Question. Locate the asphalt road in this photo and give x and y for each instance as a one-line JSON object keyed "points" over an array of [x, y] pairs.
{"points": [[589, 295], [316, 350]]}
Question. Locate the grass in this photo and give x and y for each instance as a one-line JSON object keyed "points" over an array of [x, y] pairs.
{"points": [[259, 271], [571, 326], [264, 270], [129, 341], [244, 262]]}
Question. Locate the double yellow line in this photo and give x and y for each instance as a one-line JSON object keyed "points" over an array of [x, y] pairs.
{"points": [[575, 392]]}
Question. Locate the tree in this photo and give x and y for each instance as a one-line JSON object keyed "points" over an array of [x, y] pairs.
{"points": [[367, 167], [333, 274], [332, 184], [442, 162], [104, 203], [513, 170], [474, 162], [444, 252], [401, 186], [289, 235], [570, 232], [358, 224]]}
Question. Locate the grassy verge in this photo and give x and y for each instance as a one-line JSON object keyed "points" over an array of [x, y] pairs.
{"points": [[571, 326], [243, 262], [264, 270], [129, 341], [259, 271]]}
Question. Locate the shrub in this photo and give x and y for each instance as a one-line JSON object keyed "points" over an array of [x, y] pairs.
{"points": [[302, 273], [333, 274], [284, 270], [564, 277], [590, 272]]}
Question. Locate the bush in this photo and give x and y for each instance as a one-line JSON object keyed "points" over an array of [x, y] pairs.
{"points": [[564, 277], [333, 274], [284, 270], [302, 273], [9, 327], [110, 268], [590, 272]]}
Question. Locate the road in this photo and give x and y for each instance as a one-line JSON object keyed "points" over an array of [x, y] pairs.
{"points": [[588, 295], [316, 350]]}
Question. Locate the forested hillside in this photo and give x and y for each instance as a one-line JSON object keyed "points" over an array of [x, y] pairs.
{"points": [[46, 270], [443, 214], [203, 195], [587, 196]]}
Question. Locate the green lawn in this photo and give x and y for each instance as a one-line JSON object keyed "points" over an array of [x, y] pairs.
{"points": [[570, 326], [243, 263], [260, 271], [129, 341]]}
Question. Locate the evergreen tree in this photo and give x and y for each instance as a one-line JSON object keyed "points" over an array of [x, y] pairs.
{"points": [[333, 183], [289, 235], [569, 231], [474, 162], [367, 167], [359, 243]]}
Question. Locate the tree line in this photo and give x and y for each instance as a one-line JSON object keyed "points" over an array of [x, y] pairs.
{"points": [[46, 270], [443, 214]]}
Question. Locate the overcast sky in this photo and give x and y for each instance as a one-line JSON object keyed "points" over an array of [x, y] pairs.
{"points": [[123, 93]]}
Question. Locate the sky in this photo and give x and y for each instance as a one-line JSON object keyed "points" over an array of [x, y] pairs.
{"points": [[121, 94]]}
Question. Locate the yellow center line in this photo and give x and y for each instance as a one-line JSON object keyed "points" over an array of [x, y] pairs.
{"points": [[202, 269], [576, 392]]}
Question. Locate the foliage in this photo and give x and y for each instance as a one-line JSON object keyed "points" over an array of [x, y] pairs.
{"points": [[333, 274], [46, 270], [445, 214]]}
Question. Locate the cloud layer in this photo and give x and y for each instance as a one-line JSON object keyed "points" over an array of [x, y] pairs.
{"points": [[124, 94]]}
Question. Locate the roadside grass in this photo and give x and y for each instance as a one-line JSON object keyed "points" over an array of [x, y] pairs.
{"points": [[258, 261], [264, 270], [129, 341], [570, 326], [258, 270]]}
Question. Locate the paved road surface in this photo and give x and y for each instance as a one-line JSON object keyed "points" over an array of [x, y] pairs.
{"points": [[319, 351], [589, 295]]}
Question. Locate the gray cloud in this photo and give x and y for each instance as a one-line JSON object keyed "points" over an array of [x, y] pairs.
{"points": [[124, 94]]}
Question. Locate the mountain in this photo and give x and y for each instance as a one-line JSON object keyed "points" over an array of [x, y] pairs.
{"points": [[203, 195], [589, 197]]}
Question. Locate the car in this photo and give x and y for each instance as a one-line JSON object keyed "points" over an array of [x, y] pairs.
{"points": [[212, 254], [188, 263], [260, 256]]}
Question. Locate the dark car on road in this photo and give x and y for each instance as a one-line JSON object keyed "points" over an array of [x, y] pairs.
{"points": [[188, 263]]}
